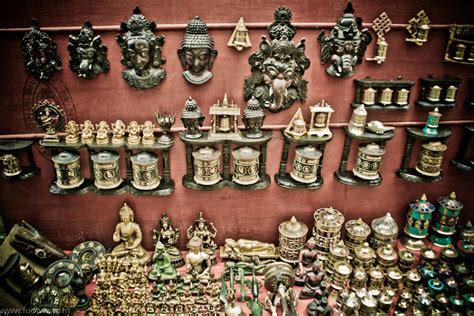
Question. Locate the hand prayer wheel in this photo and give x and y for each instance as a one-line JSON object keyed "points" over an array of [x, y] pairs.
{"points": [[145, 171], [68, 170], [246, 165], [305, 165], [292, 238], [431, 157], [207, 165], [106, 170], [368, 162]]}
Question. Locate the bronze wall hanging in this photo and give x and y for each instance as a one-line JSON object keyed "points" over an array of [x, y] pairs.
{"points": [[88, 54], [346, 45], [438, 92], [40, 56], [381, 25], [192, 118], [141, 52], [49, 117], [197, 53], [418, 28], [278, 66], [240, 38]]}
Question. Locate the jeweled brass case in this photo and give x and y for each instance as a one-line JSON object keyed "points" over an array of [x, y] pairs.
{"points": [[305, 165], [431, 158], [68, 170], [384, 231], [357, 233], [292, 238], [207, 165], [106, 170], [386, 257], [368, 161], [246, 162], [364, 256], [145, 171]]}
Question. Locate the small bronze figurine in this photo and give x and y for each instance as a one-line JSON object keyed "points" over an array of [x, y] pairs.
{"points": [[197, 53], [346, 45], [253, 118], [169, 236], [72, 132], [102, 136], [198, 262], [206, 232], [129, 234], [148, 129], [118, 132], [88, 54], [192, 119], [141, 52], [278, 66], [306, 258], [40, 56], [50, 117], [133, 130], [312, 280], [161, 268]]}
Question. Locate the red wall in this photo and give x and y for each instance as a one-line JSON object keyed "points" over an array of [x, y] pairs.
{"points": [[68, 220]]}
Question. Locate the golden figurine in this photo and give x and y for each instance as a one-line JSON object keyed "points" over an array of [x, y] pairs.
{"points": [[87, 129], [129, 234], [206, 233], [118, 131], [249, 248], [198, 262], [72, 132], [102, 136], [148, 128], [133, 130], [168, 236]]}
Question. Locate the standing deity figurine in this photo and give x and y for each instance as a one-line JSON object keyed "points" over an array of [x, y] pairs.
{"points": [[169, 236], [206, 232], [129, 234], [197, 52]]}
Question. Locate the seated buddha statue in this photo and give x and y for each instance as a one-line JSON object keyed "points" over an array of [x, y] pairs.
{"points": [[129, 234], [198, 262], [162, 269]]}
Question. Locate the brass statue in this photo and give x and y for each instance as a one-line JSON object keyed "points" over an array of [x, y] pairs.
{"points": [[198, 262], [133, 130], [141, 52], [306, 258], [148, 130], [87, 130], [118, 132], [129, 234], [72, 132], [312, 280], [88, 54], [192, 118], [346, 45], [40, 56], [249, 248], [102, 136], [197, 53], [50, 118], [278, 66], [169, 236], [206, 232]]}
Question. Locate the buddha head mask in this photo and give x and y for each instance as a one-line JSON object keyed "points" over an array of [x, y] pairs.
{"points": [[88, 55], [278, 66], [197, 52], [346, 45], [141, 52]]}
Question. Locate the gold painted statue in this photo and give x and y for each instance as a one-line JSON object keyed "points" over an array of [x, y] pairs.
{"points": [[87, 129], [206, 232], [133, 130], [118, 130], [102, 136], [198, 262], [249, 247], [148, 128], [72, 132], [129, 234]]}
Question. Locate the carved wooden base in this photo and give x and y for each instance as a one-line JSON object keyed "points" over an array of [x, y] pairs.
{"points": [[162, 190], [413, 176], [464, 165], [347, 177], [288, 182], [189, 183], [85, 187]]}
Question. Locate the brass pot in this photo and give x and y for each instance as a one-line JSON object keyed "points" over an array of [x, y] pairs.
{"points": [[68, 170], [207, 165], [106, 170], [145, 171]]}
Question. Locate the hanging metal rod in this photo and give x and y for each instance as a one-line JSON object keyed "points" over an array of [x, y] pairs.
{"points": [[212, 26]]}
